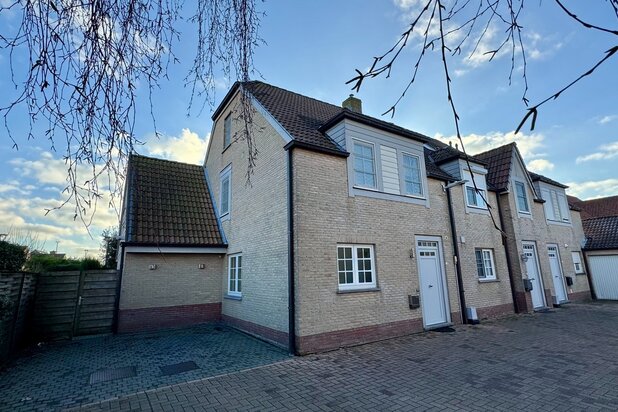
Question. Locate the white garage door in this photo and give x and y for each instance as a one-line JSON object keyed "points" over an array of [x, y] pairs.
{"points": [[604, 273]]}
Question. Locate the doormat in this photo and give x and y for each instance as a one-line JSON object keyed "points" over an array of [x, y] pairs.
{"points": [[446, 329], [112, 374], [178, 368]]}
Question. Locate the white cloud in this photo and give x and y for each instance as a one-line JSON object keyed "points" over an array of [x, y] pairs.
{"points": [[606, 151], [406, 4], [540, 165], [607, 119], [528, 144], [187, 148], [593, 188]]}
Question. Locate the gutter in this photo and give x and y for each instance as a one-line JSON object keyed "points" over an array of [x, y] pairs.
{"points": [[462, 297], [509, 265], [291, 274]]}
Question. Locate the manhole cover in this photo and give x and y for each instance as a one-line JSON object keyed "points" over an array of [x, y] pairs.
{"points": [[113, 374], [178, 368]]}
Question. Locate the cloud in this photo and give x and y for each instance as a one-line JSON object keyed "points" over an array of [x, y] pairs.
{"points": [[606, 151], [607, 119], [187, 148], [528, 144], [540, 165], [593, 188]]}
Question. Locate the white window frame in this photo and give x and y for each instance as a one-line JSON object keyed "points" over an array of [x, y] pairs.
{"points": [[227, 131], [577, 261], [478, 198], [556, 202], [355, 285], [402, 174], [516, 183], [225, 174], [237, 288], [375, 167], [484, 260]]}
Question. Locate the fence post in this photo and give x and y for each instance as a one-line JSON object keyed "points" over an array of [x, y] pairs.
{"points": [[16, 313]]}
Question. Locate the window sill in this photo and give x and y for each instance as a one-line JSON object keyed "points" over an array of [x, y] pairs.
{"points": [[581, 274], [346, 291], [489, 280], [399, 195], [225, 217], [226, 147], [232, 297]]}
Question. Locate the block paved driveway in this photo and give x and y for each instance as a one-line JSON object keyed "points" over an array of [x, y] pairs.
{"points": [[56, 376], [566, 359]]}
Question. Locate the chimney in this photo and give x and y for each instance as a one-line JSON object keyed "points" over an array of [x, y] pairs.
{"points": [[353, 103]]}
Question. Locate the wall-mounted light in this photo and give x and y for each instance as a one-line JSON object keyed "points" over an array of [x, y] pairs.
{"points": [[201, 266], [566, 245], [524, 257], [152, 267]]}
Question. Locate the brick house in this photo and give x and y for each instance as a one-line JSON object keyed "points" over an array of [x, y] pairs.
{"points": [[351, 229]]}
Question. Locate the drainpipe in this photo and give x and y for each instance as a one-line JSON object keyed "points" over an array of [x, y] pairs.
{"points": [[118, 288], [462, 297], [291, 289], [593, 293], [509, 265]]}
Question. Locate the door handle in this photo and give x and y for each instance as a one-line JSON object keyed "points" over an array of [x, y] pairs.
{"points": [[431, 286]]}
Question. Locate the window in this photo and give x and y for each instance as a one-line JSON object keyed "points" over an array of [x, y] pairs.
{"points": [[485, 264], [577, 262], [355, 267], [227, 131], [226, 192], [522, 197], [556, 207], [412, 175], [364, 165], [474, 198], [234, 275]]}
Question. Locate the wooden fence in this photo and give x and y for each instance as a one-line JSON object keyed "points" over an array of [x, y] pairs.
{"points": [[18, 289], [75, 303]]}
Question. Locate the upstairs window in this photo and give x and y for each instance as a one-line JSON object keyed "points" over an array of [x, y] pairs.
{"points": [[412, 175], [577, 262], [475, 197], [556, 206], [522, 198], [226, 192], [485, 264], [235, 275], [355, 267], [364, 165], [227, 131]]}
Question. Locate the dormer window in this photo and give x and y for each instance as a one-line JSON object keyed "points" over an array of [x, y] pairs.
{"points": [[364, 165], [522, 197], [556, 206], [412, 184], [475, 197]]}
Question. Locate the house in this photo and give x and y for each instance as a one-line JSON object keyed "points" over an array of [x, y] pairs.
{"points": [[600, 224], [350, 229]]}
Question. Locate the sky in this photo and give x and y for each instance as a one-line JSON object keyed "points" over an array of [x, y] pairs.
{"points": [[313, 48]]}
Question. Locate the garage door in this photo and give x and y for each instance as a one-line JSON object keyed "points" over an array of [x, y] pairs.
{"points": [[604, 273]]}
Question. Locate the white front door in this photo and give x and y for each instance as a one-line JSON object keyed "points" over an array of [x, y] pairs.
{"points": [[534, 274], [434, 301], [556, 273]]}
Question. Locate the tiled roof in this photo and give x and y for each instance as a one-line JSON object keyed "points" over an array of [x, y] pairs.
{"points": [[305, 119], [601, 232], [602, 207], [433, 170], [447, 153], [168, 203], [537, 177], [498, 162]]}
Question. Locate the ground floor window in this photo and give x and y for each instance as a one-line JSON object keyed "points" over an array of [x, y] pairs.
{"points": [[577, 262], [234, 271], [356, 267], [485, 264]]}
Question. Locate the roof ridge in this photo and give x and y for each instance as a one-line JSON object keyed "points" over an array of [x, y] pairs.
{"points": [[164, 160], [295, 93], [496, 148]]}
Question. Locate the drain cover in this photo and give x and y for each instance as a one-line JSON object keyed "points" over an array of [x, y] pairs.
{"points": [[178, 368], [113, 374]]}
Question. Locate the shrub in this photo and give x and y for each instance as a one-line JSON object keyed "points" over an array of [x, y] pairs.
{"points": [[50, 263], [12, 256]]}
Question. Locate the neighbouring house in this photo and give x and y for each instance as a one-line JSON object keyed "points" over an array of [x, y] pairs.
{"points": [[350, 229], [600, 223]]}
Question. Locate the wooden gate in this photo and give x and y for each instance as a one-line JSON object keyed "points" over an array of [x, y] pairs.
{"points": [[75, 303]]}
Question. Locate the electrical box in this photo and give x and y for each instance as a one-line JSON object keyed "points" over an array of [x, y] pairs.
{"points": [[527, 285], [414, 301], [569, 280]]}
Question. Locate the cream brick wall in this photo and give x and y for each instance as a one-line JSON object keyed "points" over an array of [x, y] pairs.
{"points": [[176, 281], [257, 227], [479, 232], [567, 237], [324, 215]]}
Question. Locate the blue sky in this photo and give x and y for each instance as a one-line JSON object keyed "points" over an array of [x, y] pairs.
{"points": [[313, 48]]}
